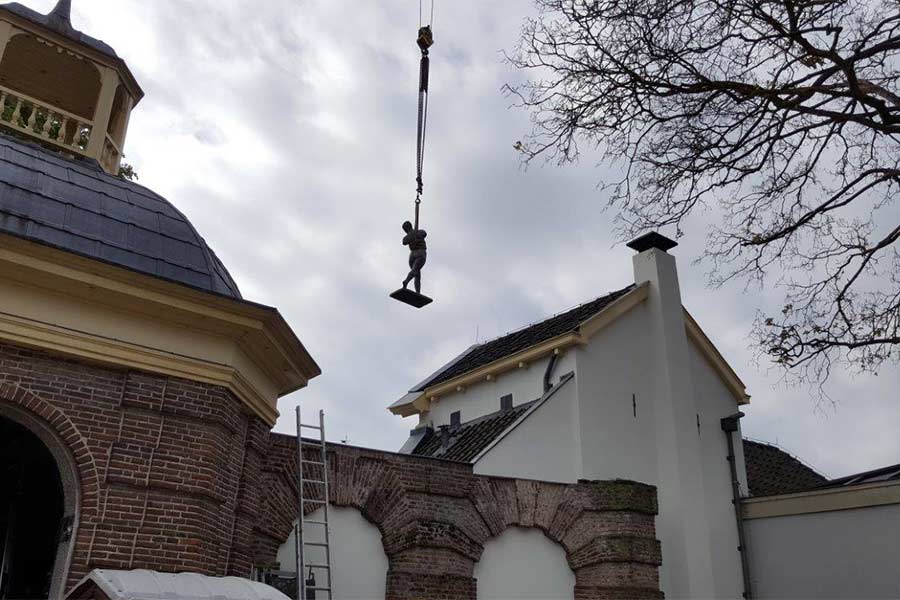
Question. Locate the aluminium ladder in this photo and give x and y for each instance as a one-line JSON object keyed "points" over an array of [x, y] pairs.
{"points": [[315, 495]]}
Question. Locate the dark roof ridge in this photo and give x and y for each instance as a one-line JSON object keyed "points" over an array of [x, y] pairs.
{"points": [[559, 313]]}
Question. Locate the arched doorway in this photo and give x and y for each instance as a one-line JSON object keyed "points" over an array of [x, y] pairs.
{"points": [[38, 503]]}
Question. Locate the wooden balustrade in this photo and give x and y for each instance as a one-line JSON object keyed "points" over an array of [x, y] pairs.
{"points": [[44, 121]]}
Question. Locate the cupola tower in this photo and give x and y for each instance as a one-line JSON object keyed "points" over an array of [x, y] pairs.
{"points": [[61, 88]]}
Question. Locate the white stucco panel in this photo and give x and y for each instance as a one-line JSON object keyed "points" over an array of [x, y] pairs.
{"points": [[524, 564], [543, 446], [839, 554], [357, 555], [525, 385]]}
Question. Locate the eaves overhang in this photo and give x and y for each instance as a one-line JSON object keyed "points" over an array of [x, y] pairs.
{"points": [[716, 361], [881, 493], [419, 401], [83, 308]]}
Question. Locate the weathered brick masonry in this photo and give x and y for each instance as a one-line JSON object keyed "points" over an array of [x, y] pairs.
{"points": [[169, 469], [435, 516], [176, 476]]}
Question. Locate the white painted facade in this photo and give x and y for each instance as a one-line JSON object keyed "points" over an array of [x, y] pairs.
{"points": [[524, 564], [544, 446], [360, 564], [834, 554], [645, 405], [476, 401]]}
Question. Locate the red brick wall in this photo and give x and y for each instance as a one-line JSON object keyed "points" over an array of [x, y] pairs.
{"points": [[176, 476], [169, 469], [435, 516]]}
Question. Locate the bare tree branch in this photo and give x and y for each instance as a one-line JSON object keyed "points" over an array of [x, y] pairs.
{"points": [[783, 114]]}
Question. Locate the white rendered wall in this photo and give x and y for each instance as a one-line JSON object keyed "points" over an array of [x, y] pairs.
{"points": [[841, 554], [544, 446], [484, 398], [360, 565], [522, 564], [613, 387], [618, 431], [640, 388], [683, 526], [713, 403]]}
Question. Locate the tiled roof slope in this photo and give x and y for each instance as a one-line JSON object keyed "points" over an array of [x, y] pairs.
{"points": [[488, 352], [772, 471], [469, 439], [75, 206], [891, 473]]}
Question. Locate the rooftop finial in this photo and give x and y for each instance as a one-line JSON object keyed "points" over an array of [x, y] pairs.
{"points": [[61, 15]]}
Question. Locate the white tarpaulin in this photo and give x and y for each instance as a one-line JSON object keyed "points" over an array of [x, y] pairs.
{"points": [[151, 585]]}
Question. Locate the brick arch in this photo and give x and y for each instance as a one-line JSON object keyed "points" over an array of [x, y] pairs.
{"points": [[77, 469], [435, 517], [68, 434]]}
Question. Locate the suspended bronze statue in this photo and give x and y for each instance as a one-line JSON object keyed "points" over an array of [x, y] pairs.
{"points": [[415, 236], [418, 254]]}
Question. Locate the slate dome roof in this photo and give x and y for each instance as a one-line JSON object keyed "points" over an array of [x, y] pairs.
{"points": [[75, 206]]}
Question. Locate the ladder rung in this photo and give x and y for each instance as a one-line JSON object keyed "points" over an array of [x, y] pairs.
{"points": [[319, 544], [312, 501], [315, 566], [312, 481], [319, 589], [314, 522], [316, 427], [314, 462]]}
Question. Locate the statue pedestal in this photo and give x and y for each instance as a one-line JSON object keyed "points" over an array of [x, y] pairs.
{"points": [[412, 298]]}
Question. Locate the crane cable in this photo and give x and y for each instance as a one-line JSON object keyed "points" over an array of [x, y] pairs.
{"points": [[424, 41]]}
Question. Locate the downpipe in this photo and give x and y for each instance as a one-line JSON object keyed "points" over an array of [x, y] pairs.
{"points": [[730, 426], [548, 374]]}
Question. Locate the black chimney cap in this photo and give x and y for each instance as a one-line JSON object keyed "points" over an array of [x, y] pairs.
{"points": [[652, 240]]}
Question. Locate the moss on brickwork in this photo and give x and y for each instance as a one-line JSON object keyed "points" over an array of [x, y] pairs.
{"points": [[435, 517], [622, 495]]}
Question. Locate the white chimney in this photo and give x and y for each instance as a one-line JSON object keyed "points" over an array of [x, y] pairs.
{"points": [[683, 523]]}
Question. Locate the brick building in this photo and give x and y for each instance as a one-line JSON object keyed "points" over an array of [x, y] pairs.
{"points": [[138, 388]]}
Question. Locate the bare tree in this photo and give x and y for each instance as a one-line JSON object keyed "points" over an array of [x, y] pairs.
{"points": [[784, 114]]}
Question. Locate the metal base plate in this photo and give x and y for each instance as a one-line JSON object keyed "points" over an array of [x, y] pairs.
{"points": [[410, 297]]}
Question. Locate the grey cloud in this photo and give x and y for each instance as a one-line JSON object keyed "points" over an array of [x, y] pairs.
{"points": [[298, 169]]}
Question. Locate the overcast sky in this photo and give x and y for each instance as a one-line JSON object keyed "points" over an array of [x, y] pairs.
{"points": [[285, 130]]}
